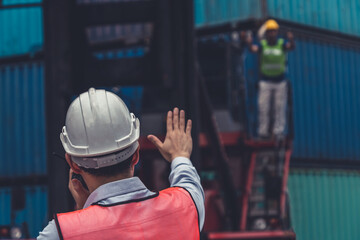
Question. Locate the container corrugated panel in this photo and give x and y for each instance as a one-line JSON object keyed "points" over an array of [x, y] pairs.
{"points": [[212, 12], [342, 16], [107, 1], [22, 120], [35, 213], [325, 81], [129, 33], [15, 2], [325, 204], [21, 31]]}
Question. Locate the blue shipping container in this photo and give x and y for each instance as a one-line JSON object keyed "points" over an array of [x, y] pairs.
{"points": [[334, 15], [326, 87], [212, 12], [35, 213], [22, 121], [21, 31], [341, 16], [15, 2]]}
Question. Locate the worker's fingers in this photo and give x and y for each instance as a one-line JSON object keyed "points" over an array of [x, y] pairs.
{"points": [[78, 187], [155, 141], [169, 122], [182, 120], [188, 127], [176, 118], [70, 175]]}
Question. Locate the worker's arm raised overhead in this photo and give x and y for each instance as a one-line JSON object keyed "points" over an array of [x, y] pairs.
{"points": [[290, 44], [177, 149], [249, 41]]}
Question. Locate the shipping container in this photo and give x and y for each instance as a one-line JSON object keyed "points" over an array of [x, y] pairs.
{"points": [[325, 83], [21, 30], [325, 204], [212, 12], [22, 121], [35, 213], [105, 1], [334, 15], [17, 2], [340, 16], [25, 33], [127, 33]]}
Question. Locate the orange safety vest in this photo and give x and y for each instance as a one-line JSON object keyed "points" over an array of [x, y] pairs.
{"points": [[170, 214]]}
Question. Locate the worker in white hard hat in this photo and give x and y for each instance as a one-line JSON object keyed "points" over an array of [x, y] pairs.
{"points": [[273, 63], [100, 138]]}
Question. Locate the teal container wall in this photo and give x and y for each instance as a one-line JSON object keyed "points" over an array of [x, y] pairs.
{"points": [[326, 88], [14, 2], [325, 204], [22, 120], [34, 214], [21, 31], [335, 15], [212, 12]]}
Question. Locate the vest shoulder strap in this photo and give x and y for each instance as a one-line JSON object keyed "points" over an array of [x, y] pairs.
{"points": [[263, 43], [281, 41]]}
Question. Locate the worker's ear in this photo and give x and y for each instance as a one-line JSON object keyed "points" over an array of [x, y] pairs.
{"points": [[135, 158], [73, 165]]}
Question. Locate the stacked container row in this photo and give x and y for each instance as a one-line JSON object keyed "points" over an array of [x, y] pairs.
{"points": [[22, 122], [21, 30], [22, 142], [334, 15], [212, 12], [25, 33], [33, 217]]}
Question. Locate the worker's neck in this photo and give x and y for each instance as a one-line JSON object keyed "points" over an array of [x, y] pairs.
{"points": [[93, 182]]}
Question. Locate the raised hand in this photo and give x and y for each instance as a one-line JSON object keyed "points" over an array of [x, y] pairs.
{"points": [[249, 38], [290, 36], [178, 141]]}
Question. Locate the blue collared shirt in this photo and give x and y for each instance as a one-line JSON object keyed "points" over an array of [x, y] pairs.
{"points": [[183, 174]]}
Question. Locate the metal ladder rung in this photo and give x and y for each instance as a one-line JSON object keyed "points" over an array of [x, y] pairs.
{"points": [[258, 183], [257, 198], [262, 212]]}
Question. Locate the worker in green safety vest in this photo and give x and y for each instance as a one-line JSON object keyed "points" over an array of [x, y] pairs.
{"points": [[272, 51]]}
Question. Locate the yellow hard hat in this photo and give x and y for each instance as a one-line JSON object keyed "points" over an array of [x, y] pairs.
{"points": [[271, 25]]}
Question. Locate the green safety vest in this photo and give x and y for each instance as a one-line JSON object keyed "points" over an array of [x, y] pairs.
{"points": [[273, 58]]}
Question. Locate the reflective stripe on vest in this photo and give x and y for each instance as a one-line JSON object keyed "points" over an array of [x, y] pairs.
{"points": [[273, 58], [170, 215]]}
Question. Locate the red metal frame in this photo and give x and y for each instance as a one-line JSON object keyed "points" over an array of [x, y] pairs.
{"points": [[245, 200], [260, 144], [252, 235], [232, 139], [250, 177], [284, 183]]}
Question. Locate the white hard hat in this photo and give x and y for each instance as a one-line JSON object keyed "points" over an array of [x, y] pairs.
{"points": [[99, 130]]}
